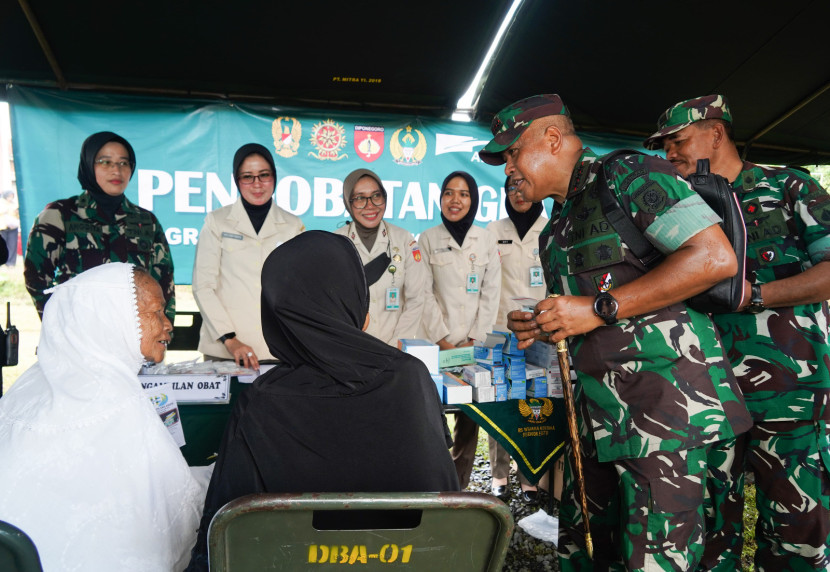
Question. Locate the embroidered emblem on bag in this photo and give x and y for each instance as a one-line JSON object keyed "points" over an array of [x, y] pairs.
{"points": [[536, 410]]}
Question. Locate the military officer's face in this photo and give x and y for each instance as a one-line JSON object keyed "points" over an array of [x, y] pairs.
{"points": [[251, 172], [111, 173], [155, 327], [529, 163], [367, 191], [455, 200], [688, 145]]}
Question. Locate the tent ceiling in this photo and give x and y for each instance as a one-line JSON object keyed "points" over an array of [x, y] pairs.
{"points": [[618, 65]]}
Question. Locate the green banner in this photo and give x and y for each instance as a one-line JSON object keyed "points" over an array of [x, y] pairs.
{"points": [[532, 430]]}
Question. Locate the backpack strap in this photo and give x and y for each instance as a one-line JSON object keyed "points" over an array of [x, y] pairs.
{"points": [[620, 219]]}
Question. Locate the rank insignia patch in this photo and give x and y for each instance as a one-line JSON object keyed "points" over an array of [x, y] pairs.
{"points": [[368, 142], [329, 139], [287, 132], [409, 148]]}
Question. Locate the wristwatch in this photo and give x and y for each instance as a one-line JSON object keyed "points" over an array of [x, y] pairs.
{"points": [[226, 337], [756, 301], [606, 306]]}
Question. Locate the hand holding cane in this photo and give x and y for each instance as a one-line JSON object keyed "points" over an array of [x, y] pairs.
{"points": [[570, 410]]}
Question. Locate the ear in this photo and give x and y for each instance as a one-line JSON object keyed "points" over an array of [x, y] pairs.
{"points": [[366, 323], [718, 135], [553, 138]]}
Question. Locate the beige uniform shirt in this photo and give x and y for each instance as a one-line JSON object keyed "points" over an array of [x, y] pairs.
{"points": [[409, 277], [518, 256], [450, 310], [226, 274]]}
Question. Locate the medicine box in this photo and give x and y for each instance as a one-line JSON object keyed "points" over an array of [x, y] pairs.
{"points": [[514, 368], [525, 304], [532, 370], [501, 390], [510, 345], [456, 391], [476, 375], [518, 390], [438, 380], [490, 350], [537, 387], [456, 357], [496, 372], [484, 394], [423, 350]]}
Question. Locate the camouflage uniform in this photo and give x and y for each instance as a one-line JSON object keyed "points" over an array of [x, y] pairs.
{"points": [[72, 235], [780, 357], [655, 391]]}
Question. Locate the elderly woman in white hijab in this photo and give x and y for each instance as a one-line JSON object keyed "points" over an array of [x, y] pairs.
{"points": [[88, 469]]}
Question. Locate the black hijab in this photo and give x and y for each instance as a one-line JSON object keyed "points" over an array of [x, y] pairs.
{"points": [[256, 213], [86, 169], [344, 412], [522, 221], [459, 229], [374, 268]]}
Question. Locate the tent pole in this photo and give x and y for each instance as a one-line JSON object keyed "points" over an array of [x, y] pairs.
{"points": [[44, 45]]}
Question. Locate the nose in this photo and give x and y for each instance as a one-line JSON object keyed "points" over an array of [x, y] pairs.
{"points": [[168, 327]]}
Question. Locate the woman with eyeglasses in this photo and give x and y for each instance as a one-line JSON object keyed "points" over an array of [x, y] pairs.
{"points": [[391, 260], [463, 286], [521, 277], [98, 226], [233, 245]]}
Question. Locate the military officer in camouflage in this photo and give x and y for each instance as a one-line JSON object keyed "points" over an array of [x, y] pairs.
{"points": [[777, 344], [654, 390], [98, 226]]}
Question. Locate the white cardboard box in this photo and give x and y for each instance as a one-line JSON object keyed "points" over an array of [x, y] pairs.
{"points": [[456, 390], [476, 375], [425, 351]]}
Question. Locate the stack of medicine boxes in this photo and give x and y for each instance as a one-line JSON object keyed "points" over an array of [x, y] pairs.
{"points": [[488, 356], [544, 355]]}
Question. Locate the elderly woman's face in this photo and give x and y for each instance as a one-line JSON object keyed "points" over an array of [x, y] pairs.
{"points": [[112, 168], [155, 327], [251, 173], [367, 191]]}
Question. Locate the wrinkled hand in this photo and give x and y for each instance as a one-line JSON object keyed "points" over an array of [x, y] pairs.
{"points": [[243, 354], [566, 316]]}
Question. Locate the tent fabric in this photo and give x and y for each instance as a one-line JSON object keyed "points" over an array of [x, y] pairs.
{"points": [[617, 65]]}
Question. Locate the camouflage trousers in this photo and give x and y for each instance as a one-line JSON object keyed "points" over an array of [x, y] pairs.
{"points": [[791, 464], [645, 514]]}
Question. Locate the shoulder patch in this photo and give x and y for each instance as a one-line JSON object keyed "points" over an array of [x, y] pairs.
{"points": [[651, 197]]}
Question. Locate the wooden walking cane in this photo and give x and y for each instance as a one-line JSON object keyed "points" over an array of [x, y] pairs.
{"points": [[570, 411]]}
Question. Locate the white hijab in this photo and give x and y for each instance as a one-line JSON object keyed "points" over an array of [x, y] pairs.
{"points": [[87, 468]]}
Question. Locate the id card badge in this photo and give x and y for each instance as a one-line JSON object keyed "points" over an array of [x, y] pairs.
{"points": [[536, 276], [472, 283], [393, 299]]}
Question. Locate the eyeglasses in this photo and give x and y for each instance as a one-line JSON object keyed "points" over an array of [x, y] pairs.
{"points": [[106, 164], [249, 179], [511, 190], [377, 199]]}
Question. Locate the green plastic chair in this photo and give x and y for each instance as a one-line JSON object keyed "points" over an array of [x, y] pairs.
{"points": [[17, 551], [366, 531]]}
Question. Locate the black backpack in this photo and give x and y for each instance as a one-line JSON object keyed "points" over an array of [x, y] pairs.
{"points": [[725, 296]]}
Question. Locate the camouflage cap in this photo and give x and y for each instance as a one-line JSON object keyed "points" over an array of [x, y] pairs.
{"points": [[509, 123], [683, 114]]}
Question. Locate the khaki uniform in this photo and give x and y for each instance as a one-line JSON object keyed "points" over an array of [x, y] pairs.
{"points": [[518, 256], [450, 311], [453, 313], [226, 274], [409, 277]]}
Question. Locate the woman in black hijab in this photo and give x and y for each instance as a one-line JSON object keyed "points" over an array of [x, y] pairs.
{"points": [[345, 412], [521, 277], [233, 243], [463, 285], [98, 226]]}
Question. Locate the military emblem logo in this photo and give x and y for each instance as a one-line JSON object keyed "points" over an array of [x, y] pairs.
{"points": [[536, 410], [408, 148], [416, 252], [287, 132], [767, 254], [329, 139], [604, 282], [368, 142], [751, 208]]}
